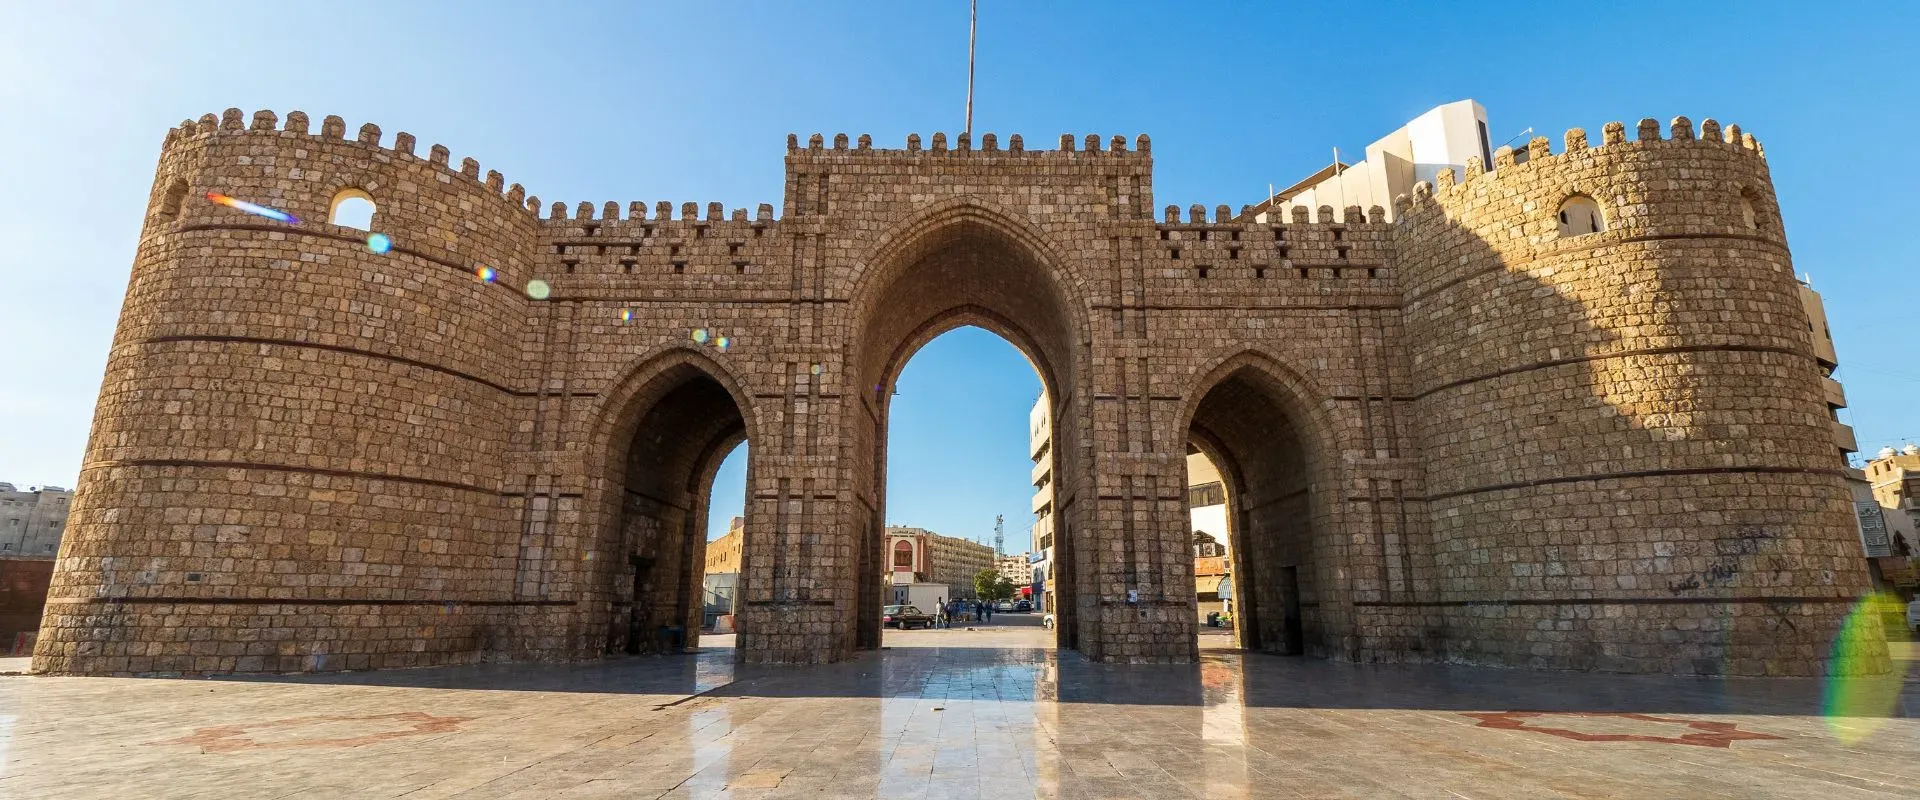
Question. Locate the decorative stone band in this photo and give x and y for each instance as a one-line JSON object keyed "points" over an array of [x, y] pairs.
{"points": [[334, 473], [352, 351], [1599, 601], [1579, 245], [1650, 473], [297, 601], [397, 248], [1648, 351]]}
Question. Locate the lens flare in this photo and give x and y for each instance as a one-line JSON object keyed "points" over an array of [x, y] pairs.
{"points": [[486, 274], [379, 243], [626, 315], [257, 210], [700, 335], [538, 289], [1861, 691], [723, 343], [817, 369]]}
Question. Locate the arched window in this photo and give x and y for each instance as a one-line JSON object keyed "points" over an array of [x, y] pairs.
{"points": [[1580, 215], [352, 208], [1750, 210], [170, 202], [903, 554]]}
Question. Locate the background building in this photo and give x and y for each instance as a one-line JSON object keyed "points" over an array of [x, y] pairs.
{"points": [[918, 555], [1018, 568], [31, 521], [30, 526], [723, 554], [1822, 338], [720, 581], [1892, 479], [1894, 476], [1446, 136], [1040, 449]]}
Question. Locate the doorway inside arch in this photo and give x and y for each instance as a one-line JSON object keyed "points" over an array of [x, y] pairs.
{"points": [[1256, 514]]}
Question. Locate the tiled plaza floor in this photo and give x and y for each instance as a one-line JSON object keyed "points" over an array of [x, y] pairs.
{"points": [[974, 714]]}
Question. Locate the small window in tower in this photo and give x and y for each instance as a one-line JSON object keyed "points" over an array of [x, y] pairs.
{"points": [[170, 203], [1580, 215], [1750, 210], [352, 208]]}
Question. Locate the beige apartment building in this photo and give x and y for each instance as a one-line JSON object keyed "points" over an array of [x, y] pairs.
{"points": [[723, 554], [1895, 478], [918, 555], [1017, 567]]}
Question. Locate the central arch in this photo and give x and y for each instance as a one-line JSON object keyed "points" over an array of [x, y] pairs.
{"points": [[964, 263]]}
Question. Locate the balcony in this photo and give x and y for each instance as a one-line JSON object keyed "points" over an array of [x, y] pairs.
{"points": [[1043, 498], [1836, 396], [1041, 469], [1037, 445], [1843, 438]]}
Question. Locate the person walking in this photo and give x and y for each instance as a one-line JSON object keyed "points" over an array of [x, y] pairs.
{"points": [[986, 607], [940, 615]]}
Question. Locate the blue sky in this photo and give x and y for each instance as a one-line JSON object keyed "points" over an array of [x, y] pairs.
{"points": [[693, 101]]}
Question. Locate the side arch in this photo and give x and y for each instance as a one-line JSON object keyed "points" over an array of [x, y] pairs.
{"points": [[674, 414], [1266, 428]]}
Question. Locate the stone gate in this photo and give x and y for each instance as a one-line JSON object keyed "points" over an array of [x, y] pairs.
{"points": [[1467, 434]]}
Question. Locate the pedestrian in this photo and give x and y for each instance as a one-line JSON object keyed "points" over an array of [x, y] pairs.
{"points": [[940, 615], [987, 609]]}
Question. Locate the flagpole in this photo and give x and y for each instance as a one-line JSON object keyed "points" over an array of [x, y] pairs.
{"points": [[973, 24]]}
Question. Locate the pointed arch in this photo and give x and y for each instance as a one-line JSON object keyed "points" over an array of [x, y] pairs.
{"points": [[655, 441], [962, 262], [1266, 428]]}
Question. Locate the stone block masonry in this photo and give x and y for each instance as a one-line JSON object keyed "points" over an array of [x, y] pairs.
{"points": [[1479, 433]]}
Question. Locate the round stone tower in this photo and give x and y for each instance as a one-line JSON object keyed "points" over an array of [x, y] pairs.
{"points": [[1631, 465], [291, 423]]}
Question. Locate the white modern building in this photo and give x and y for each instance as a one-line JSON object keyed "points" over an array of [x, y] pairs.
{"points": [[1445, 136]]}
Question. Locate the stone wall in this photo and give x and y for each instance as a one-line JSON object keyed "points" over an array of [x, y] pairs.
{"points": [[1629, 461], [1455, 436]]}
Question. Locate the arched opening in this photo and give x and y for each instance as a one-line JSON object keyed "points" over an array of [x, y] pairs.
{"points": [[352, 208], [958, 459], [956, 267], [667, 439], [1253, 430], [725, 549], [1580, 215], [175, 196], [1212, 541], [1750, 210]]}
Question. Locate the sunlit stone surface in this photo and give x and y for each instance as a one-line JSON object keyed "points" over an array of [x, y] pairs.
{"points": [[944, 713]]}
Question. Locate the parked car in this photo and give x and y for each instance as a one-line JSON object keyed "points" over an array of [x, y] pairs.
{"points": [[905, 618], [1004, 605], [1022, 606], [1913, 616]]}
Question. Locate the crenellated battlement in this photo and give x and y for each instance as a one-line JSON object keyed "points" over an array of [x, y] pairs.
{"points": [[1324, 215], [962, 144], [1521, 164], [663, 211], [334, 130]]}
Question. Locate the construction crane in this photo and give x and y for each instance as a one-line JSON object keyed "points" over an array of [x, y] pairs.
{"points": [[999, 535]]}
